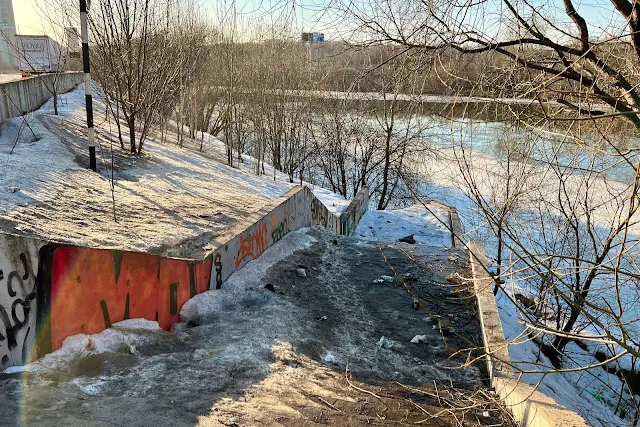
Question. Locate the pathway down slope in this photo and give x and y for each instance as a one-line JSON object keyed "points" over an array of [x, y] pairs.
{"points": [[277, 347], [170, 201]]}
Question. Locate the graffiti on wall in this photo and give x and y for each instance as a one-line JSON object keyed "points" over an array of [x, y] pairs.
{"points": [[92, 289], [218, 264], [353, 213], [18, 260], [319, 212], [267, 232], [253, 245], [60, 291], [280, 231], [285, 216]]}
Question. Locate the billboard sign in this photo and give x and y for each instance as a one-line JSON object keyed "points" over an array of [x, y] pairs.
{"points": [[38, 54]]}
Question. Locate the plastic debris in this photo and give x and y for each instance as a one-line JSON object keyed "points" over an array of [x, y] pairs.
{"points": [[378, 281], [384, 343], [595, 395], [418, 361], [418, 339], [301, 272], [408, 239], [388, 344], [387, 279]]}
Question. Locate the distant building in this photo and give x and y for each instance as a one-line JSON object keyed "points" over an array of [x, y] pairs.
{"points": [[74, 42], [314, 37], [8, 56]]}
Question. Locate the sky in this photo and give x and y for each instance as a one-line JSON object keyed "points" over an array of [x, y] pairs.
{"points": [[27, 20], [598, 13]]}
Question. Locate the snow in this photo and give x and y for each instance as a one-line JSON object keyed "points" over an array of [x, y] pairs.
{"points": [[171, 200], [334, 202], [122, 336], [389, 226], [250, 277], [330, 358], [575, 390], [29, 156], [15, 369], [90, 386], [436, 99], [419, 339]]}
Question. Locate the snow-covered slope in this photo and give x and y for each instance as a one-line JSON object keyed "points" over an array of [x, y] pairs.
{"points": [[171, 197], [591, 393]]}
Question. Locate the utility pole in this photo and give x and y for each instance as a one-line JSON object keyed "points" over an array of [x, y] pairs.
{"points": [[84, 8]]}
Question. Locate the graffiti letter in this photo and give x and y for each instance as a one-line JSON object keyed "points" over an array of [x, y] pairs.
{"points": [[173, 299], [105, 313], [218, 264]]}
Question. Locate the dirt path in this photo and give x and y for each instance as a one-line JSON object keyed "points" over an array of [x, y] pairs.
{"points": [[305, 353]]}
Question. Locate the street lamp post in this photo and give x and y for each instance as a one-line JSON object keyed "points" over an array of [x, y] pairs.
{"points": [[84, 8]]}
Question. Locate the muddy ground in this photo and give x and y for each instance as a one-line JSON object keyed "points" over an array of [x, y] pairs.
{"points": [[301, 352]]}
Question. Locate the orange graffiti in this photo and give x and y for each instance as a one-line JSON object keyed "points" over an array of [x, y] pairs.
{"points": [[92, 289], [252, 247]]}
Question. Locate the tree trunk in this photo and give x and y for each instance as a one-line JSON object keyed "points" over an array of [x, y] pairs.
{"points": [[385, 177], [132, 133], [55, 102], [498, 260]]}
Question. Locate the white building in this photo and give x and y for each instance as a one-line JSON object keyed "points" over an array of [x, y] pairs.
{"points": [[8, 56]]}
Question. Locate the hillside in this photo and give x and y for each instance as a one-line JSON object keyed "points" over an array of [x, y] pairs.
{"points": [[169, 201]]}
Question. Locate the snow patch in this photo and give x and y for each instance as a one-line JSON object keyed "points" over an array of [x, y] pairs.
{"points": [[427, 227], [248, 277], [590, 393], [122, 336]]}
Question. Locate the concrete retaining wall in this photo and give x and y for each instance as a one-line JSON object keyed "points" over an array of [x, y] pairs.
{"points": [[26, 95], [49, 292], [349, 219], [454, 226], [296, 209], [243, 244], [530, 407]]}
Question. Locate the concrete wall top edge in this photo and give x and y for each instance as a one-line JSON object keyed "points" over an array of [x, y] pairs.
{"points": [[251, 220], [530, 407], [363, 194]]}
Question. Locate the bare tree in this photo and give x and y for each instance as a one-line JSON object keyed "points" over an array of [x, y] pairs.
{"points": [[144, 52], [556, 211]]}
